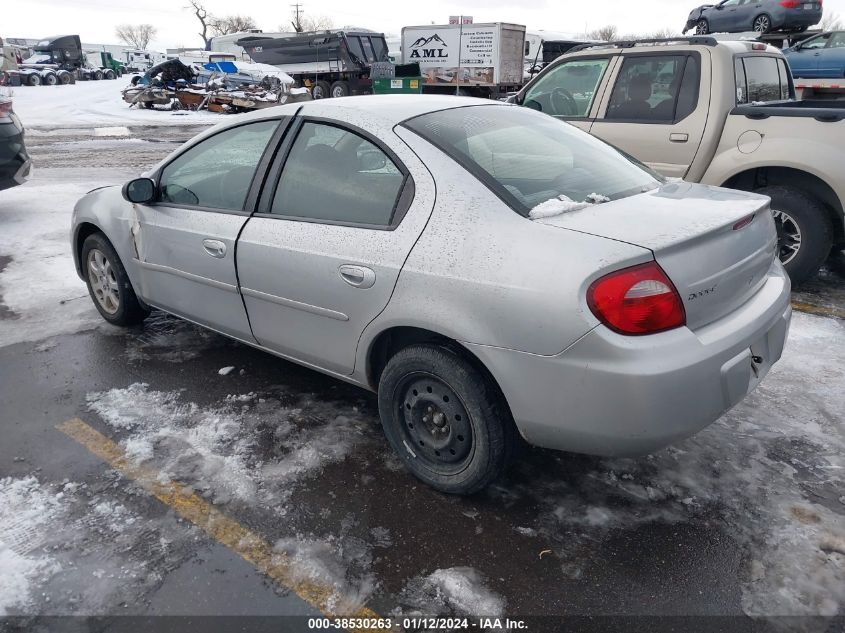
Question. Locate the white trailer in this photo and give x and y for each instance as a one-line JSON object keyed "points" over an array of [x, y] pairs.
{"points": [[483, 60], [820, 89]]}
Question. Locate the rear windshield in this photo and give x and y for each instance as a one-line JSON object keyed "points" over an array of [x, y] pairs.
{"points": [[761, 79], [527, 158]]}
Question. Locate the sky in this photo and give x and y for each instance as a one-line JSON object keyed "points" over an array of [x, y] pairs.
{"points": [[94, 20]]}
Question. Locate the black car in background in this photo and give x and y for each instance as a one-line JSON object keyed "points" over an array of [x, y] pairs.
{"points": [[14, 161]]}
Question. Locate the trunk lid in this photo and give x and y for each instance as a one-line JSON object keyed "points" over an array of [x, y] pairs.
{"points": [[715, 263]]}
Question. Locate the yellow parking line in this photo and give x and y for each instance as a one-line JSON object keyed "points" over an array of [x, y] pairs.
{"points": [[244, 542], [836, 313]]}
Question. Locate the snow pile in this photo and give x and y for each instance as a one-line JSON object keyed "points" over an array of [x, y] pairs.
{"points": [[769, 474], [453, 591], [249, 449], [341, 562], [564, 204]]}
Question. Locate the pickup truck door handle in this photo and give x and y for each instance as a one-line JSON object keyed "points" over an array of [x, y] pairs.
{"points": [[357, 276], [215, 248], [677, 137]]}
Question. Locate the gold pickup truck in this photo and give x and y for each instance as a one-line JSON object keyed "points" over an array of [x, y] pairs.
{"points": [[715, 112]]}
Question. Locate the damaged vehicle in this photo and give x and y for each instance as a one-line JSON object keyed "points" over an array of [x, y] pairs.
{"points": [[15, 163], [763, 16], [489, 271]]}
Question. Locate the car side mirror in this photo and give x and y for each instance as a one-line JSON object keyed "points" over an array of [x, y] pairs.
{"points": [[140, 191]]}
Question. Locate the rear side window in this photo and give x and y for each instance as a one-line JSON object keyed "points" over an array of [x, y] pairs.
{"points": [[335, 175], [660, 88], [761, 79], [217, 172]]}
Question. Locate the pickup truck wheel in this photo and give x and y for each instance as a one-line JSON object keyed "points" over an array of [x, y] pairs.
{"points": [[762, 23], [805, 232], [702, 27], [108, 283], [445, 420]]}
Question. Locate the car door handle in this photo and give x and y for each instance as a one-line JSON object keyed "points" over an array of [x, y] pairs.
{"points": [[357, 276], [215, 248], [677, 137]]}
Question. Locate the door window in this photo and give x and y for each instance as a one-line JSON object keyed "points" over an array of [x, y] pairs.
{"points": [[837, 40], [217, 172], [337, 176], [655, 88], [816, 43], [568, 89], [761, 79]]}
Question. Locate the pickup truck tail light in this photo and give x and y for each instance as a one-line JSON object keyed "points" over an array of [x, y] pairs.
{"points": [[637, 300]]}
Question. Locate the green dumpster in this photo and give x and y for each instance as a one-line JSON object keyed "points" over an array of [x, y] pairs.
{"points": [[397, 85]]}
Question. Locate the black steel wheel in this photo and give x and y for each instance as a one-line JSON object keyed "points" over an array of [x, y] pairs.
{"points": [[447, 421]]}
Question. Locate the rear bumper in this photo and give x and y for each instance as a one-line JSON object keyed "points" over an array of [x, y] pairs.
{"points": [[794, 18], [615, 395]]}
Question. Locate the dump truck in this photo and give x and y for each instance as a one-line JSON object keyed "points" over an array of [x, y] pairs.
{"points": [[479, 60], [55, 60], [329, 63]]}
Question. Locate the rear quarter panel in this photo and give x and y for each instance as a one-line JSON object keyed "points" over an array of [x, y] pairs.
{"points": [[480, 273]]}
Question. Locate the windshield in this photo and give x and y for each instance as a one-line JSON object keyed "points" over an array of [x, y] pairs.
{"points": [[528, 158], [39, 57]]}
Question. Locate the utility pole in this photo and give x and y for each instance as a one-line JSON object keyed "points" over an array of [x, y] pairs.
{"points": [[297, 23]]}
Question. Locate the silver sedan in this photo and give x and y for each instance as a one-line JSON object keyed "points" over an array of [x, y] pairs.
{"points": [[489, 271]]}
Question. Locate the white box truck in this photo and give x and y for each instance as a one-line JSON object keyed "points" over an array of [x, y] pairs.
{"points": [[482, 60]]}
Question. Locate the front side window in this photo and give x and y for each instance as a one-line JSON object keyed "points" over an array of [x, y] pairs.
{"points": [[217, 172], [527, 158], [338, 176], [568, 89], [655, 88]]}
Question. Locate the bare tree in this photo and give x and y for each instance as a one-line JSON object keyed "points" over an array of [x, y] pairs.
{"points": [[137, 35], [232, 24], [206, 21], [301, 23], [607, 33], [831, 22]]}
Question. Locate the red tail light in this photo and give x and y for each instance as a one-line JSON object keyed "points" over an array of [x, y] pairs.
{"points": [[637, 300], [790, 4]]}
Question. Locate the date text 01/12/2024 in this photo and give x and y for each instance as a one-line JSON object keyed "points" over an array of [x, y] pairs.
{"points": [[417, 623]]}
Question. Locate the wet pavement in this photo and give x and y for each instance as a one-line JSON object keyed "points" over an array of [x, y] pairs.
{"points": [[745, 519]]}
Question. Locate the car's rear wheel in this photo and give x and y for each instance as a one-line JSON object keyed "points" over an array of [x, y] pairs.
{"points": [[762, 23], [805, 231], [108, 283], [702, 27], [447, 422]]}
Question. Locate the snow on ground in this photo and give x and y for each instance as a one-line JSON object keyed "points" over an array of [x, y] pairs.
{"points": [[93, 104], [67, 549], [42, 294], [454, 591], [247, 449], [771, 474]]}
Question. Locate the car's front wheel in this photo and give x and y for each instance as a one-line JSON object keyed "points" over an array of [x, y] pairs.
{"points": [[108, 283], [702, 27], [762, 23], [447, 422], [805, 231]]}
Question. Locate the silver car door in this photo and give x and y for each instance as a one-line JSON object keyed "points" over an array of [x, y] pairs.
{"points": [[187, 260], [336, 222]]}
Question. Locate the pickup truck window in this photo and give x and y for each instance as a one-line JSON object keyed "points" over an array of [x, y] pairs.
{"points": [[568, 89], [655, 88], [761, 79]]}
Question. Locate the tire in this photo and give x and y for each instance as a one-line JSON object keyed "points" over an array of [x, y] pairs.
{"points": [[432, 399], [64, 78], [50, 79], [109, 74], [97, 75], [134, 81], [795, 210], [761, 24], [119, 305], [321, 90], [339, 89], [702, 27], [33, 80]]}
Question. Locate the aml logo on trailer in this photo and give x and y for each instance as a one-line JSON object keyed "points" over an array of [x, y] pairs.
{"points": [[427, 48]]}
